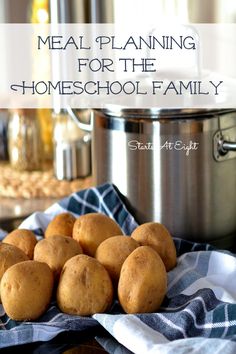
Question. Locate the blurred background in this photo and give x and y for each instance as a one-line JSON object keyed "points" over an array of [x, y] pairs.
{"points": [[197, 11], [45, 155]]}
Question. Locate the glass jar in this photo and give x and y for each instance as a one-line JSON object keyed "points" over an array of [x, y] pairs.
{"points": [[24, 140], [72, 148], [3, 135]]}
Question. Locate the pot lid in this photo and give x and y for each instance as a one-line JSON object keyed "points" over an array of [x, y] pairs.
{"points": [[163, 113]]}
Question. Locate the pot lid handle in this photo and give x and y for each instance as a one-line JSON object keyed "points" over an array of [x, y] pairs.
{"points": [[77, 118]]}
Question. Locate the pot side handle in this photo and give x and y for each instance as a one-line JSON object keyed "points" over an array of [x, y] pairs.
{"points": [[77, 118], [226, 146]]}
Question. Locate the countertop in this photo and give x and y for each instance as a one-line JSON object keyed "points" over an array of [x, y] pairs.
{"points": [[65, 343], [14, 211], [11, 208], [23, 192]]}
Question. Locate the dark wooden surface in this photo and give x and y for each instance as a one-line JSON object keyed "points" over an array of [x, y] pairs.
{"points": [[65, 343]]}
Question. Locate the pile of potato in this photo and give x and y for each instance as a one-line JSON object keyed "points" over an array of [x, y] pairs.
{"points": [[85, 263]]}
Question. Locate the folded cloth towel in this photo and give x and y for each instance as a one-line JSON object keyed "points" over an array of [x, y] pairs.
{"points": [[198, 314], [3, 233]]}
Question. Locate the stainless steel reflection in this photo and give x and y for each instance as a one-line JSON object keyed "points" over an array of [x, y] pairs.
{"points": [[228, 146], [60, 11], [72, 159], [191, 192], [85, 11]]}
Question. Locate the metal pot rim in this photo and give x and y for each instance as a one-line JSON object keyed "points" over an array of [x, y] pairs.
{"points": [[162, 113]]}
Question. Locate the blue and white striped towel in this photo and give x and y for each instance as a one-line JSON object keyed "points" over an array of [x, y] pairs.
{"points": [[198, 314]]}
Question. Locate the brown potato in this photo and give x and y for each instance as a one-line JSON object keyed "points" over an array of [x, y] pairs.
{"points": [[55, 251], [26, 290], [143, 281], [91, 229], [9, 255], [84, 287], [23, 239], [61, 225], [158, 237], [112, 253]]}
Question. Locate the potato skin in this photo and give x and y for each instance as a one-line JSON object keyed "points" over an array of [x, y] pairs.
{"points": [[55, 251], [23, 239], [92, 229], [84, 287], [9, 255], [158, 237], [143, 281], [26, 290], [61, 225], [112, 253]]}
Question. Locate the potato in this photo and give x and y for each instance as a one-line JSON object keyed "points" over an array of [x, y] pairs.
{"points": [[61, 225], [91, 229], [26, 290], [158, 237], [23, 239], [143, 281], [9, 255], [55, 251], [84, 287], [112, 253]]}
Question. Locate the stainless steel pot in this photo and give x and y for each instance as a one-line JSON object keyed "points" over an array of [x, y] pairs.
{"points": [[176, 167]]}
